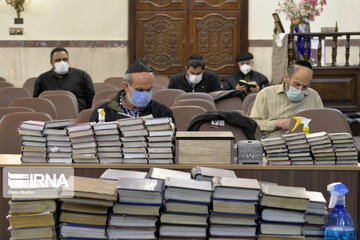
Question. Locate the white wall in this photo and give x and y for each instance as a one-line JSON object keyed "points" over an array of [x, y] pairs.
{"points": [[108, 20]]}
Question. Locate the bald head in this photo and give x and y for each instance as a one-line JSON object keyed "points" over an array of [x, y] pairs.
{"points": [[299, 76]]}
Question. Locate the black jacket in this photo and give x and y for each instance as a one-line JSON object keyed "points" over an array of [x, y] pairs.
{"points": [[235, 118], [209, 83], [76, 81], [233, 80], [112, 108]]}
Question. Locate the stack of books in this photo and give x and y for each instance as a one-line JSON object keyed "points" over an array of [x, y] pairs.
{"points": [[315, 217], [283, 211], [207, 174], [133, 139], [344, 147], [33, 217], [321, 148], [59, 148], [116, 174], [140, 193], [299, 148], [186, 209], [160, 140], [108, 140], [33, 142], [83, 143], [276, 151], [85, 215], [234, 213]]}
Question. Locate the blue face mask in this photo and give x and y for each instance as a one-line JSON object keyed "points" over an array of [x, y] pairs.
{"points": [[140, 99], [293, 94]]}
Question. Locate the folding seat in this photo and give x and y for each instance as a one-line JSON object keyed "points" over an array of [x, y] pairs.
{"points": [[166, 96], [84, 116], [104, 94], [194, 95], [65, 106], [184, 114], [10, 93], [103, 86], [116, 81], [38, 104], [6, 110], [208, 106]]}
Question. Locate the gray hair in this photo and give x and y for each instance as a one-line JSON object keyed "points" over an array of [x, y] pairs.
{"points": [[129, 80], [292, 69]]}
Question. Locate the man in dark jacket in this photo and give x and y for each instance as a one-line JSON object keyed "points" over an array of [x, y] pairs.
{"points": [[63, 77], [195, 79], [135, 100], [245, 72]]}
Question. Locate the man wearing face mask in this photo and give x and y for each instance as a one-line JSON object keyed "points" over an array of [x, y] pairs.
{"points": [[63, 77], [245, 72], [135, 100], [275, 105], [195, 79]]}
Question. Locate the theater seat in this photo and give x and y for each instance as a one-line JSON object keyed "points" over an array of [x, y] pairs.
{"points": [[229, 104], [10, 142], [184, 114], [98, 103], [6, 110], [103, 86], [29, 85], [208, 106], [329, 120], [103, 95], [116, 81], [5, 84], [248, 103], [166, 96], [38, 104], [64, 104], [194, 95], [10, 93], [84, 116], [2, 79]]}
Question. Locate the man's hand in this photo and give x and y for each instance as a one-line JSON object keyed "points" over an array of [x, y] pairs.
{"points": [[283, 124], [255, 89], [241, 88]]}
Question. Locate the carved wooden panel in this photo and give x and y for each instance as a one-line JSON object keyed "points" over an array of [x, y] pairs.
{"points": [[215, 36], [215, 4], [161, 4], [161, 40], [338, 88]]}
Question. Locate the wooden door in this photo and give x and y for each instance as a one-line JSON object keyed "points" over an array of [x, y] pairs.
{"points": [[215, 36], [161, 40], [215, 4]]}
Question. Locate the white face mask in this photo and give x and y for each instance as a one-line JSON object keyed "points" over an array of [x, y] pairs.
{"points": [[195, 79], [245, 68], [61, 68]]}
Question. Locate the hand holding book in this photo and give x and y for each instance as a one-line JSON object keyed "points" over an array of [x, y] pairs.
{"points": [[250, 86]]}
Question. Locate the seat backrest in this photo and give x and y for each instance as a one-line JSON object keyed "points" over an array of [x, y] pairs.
{"points": [[56, 92], [103, 86], [237, 132], [84, 116], [65, 106], [326, 119], [116, 81], [162, 80], [208, 106], [247, 101], [10, 142], [38, 104], [157, 87], [184, 114], [98, 103], [229, 104], [6, 110], [5, 84], [194, 95], [10, 93], [29, 85], [166, 96], [249, 108], [110, 97], [2, 79], [103, 95]]}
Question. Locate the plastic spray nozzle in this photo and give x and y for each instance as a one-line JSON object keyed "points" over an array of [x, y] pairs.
{"points": [[302, 120], [101, 115], [337, 191]]}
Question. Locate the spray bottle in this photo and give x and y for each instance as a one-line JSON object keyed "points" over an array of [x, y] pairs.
{"points": [[302, 120], [339, 224], [101, 117]]}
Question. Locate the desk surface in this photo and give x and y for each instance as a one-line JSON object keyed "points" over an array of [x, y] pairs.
{"points": [[13, 160]]}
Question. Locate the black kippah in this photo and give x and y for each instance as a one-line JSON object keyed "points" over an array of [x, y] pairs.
{"points": [[304, 63], [138, 66], [244, 56]]}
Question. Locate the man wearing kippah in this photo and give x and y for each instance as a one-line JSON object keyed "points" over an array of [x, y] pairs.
{"points": [[275, 105], [135, 100], [245, 72]]}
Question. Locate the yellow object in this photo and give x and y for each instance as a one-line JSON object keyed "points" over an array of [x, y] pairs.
{"points": [[302, 120], [101, 115]]}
